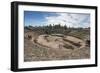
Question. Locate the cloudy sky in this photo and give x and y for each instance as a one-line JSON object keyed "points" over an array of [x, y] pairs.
{"points": [[36, 18]]}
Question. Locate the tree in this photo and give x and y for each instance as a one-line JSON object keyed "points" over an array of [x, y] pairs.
{"points": [[65, 27]]}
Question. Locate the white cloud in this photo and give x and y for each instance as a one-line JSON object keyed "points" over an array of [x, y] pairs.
{"points": [[70, 19]]}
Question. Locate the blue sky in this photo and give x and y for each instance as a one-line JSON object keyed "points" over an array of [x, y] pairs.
{"points": [[36, 18]]}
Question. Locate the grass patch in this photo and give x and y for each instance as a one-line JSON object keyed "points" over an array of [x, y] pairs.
{"points": [[79, 34]]}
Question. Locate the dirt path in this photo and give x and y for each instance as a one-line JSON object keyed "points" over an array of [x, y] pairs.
{"points": [[56, 42]]}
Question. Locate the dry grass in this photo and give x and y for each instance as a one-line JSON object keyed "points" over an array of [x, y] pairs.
{"points": [[38, 52]]}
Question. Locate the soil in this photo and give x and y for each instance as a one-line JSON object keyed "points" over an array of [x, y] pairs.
{"points": [[54, 47]]}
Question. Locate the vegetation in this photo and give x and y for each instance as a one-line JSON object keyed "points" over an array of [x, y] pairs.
{"points": [[87, 42], [40, 51], [80, 33], [58, 29]]}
